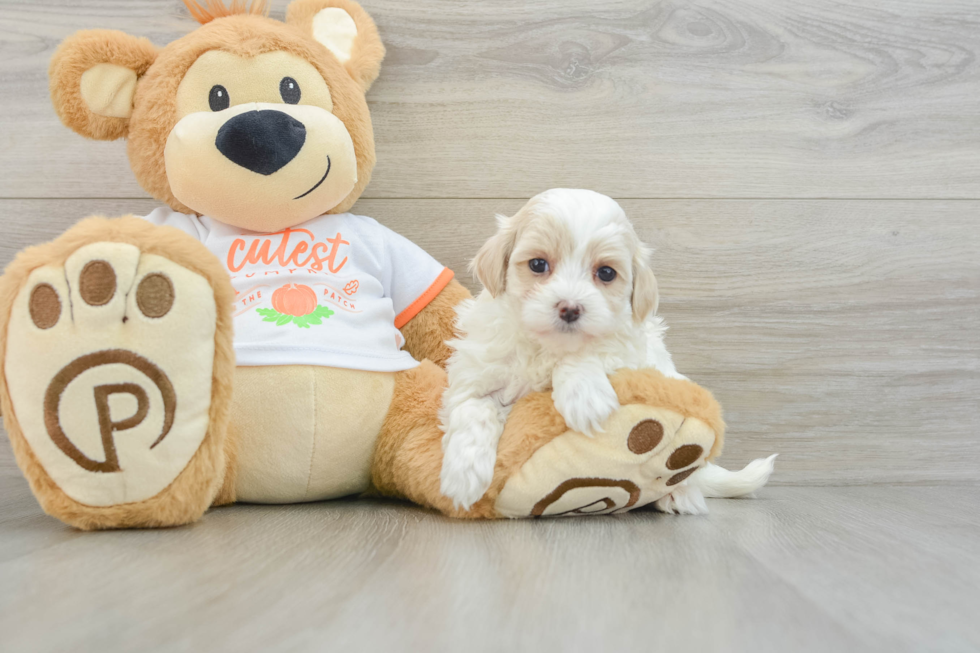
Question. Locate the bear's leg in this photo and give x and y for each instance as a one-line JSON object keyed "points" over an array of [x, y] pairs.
{"points": [[664, 430], [115, 346], [408, 457]]}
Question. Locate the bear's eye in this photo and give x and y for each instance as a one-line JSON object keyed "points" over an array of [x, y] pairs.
{"points": [[289, 90], [538, 265], [605, 273], [218, 98]]}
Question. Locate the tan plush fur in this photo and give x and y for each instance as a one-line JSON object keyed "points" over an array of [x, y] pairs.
{"points": [[204, 11], [226, 491], [409, 454], [190, 494], [154, 111], [154, 114], [79, 53], [364, 64], [426, 333], [409, 451], [654, 389]]}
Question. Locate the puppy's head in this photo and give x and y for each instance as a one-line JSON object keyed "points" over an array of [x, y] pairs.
{"points": [[573, 263]]}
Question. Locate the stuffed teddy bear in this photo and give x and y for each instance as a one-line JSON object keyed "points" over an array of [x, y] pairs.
{"points": [[253, 341]]}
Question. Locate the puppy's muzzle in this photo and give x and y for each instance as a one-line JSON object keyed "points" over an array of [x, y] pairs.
{"points": [[261, 141], [569, 312]]}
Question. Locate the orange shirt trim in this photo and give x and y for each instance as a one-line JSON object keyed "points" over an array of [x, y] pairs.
{"points": [[423, 300]]}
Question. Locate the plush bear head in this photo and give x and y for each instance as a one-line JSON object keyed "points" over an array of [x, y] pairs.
{"points": [[256, 123]]}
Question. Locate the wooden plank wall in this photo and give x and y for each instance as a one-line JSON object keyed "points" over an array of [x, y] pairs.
{"points": [[808, 171]]}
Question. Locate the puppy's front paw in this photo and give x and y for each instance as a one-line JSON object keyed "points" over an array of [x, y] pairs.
{"points": [[684, 500], [467, 468], [585, 401]]}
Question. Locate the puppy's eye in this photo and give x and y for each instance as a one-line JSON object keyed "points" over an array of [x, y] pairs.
{"points": [[218, 98], [538, 265], [289, 90], [605, 273]]}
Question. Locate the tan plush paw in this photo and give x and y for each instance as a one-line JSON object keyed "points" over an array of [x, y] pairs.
{"points": [[109, 365], [641, 453]]}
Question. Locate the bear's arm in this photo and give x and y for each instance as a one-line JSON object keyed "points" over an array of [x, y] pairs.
{"points": [[426, 333]]}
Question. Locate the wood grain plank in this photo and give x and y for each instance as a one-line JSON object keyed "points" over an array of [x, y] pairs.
{"points": [[838, 548], [800, 569], [635, 98], [843, 334]]}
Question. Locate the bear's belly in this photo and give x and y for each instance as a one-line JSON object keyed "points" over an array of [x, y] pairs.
{"points": [[306, 433]]}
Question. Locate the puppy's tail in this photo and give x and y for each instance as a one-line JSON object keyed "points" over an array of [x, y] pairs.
{"points": [[718, 482]]}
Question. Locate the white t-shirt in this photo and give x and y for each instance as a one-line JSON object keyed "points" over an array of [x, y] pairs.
{"points": [[333, 291]]}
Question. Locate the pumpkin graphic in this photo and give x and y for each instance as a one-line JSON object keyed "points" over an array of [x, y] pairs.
{"points": [[294, 299]]}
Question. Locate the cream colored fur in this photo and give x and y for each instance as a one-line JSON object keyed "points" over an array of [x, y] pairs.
{"points": [[331, 417], [108, 90], [548, 321]]}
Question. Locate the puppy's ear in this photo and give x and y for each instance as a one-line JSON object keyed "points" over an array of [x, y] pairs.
{"points": [[93, 77], [490, 263], [646, 296], [345, 29]]}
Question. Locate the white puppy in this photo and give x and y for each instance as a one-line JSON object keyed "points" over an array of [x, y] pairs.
{"points": [[569, 299]]}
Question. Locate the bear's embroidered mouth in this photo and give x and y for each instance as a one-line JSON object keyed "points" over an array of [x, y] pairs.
{"points": [[322, 179]]}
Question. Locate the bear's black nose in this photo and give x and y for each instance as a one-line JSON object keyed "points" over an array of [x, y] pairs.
{"points": [[261, 141]]}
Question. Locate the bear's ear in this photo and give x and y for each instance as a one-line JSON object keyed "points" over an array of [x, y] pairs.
{"points": [[93, 77], [345, 29]]}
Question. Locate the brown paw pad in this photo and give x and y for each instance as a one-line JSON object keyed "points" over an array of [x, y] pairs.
{"points": [[677, 478], [645, 436], [155, 295], [44, 306], [684, 456], [97, 283]]}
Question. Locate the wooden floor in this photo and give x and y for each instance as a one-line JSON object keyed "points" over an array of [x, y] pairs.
{"points": [[799, 569], [809, 173]]}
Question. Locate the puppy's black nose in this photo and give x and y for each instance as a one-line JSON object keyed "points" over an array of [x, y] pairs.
{"points": [[569, 312], [261, 141]]}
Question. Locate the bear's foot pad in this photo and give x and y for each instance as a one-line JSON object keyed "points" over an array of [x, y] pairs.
{"points": [[641, 454], [109, 363]]}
